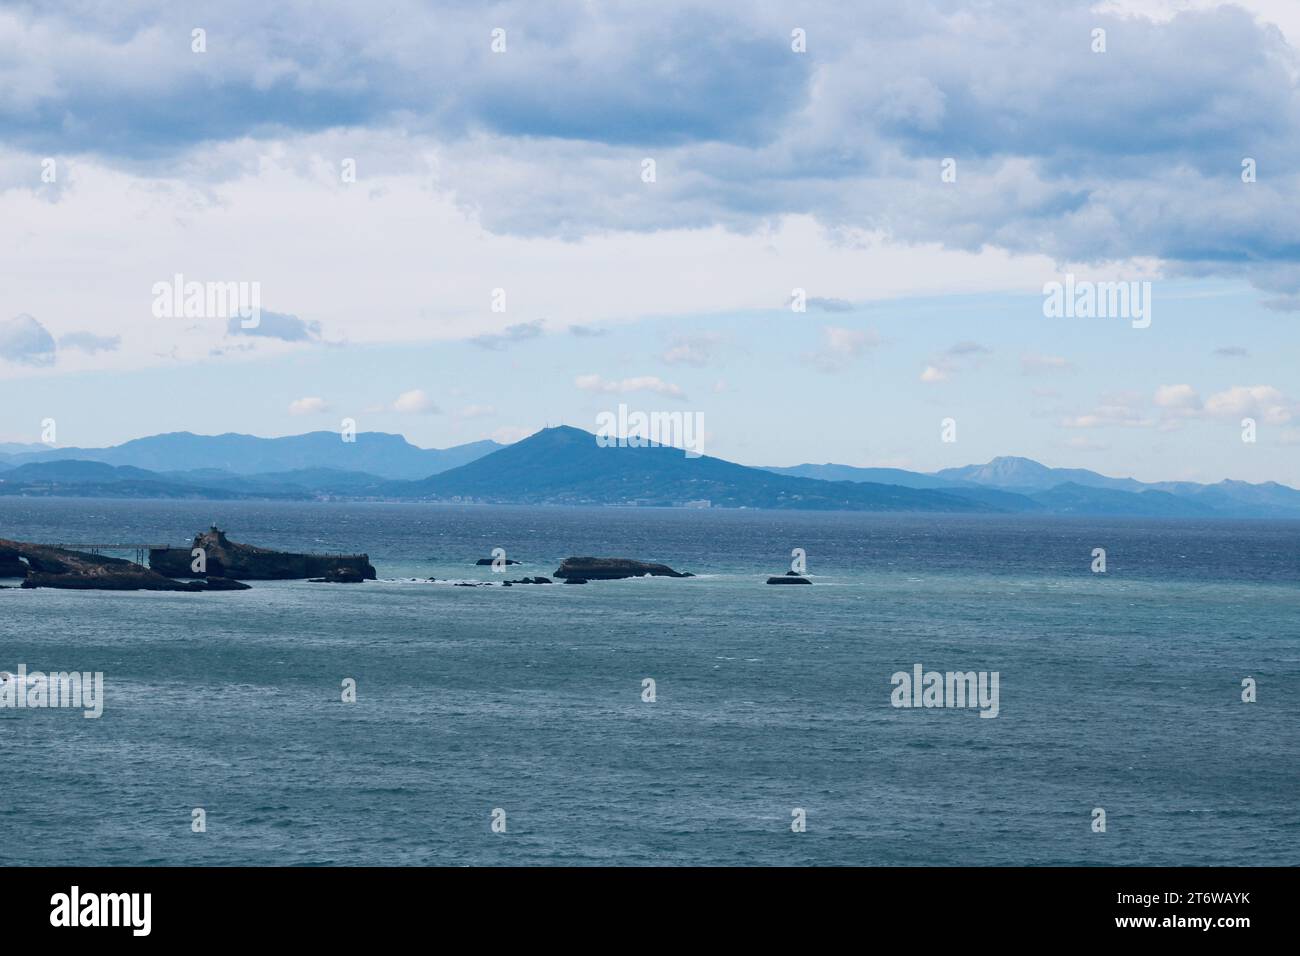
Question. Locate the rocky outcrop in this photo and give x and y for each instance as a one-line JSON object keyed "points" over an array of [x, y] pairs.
{"points": [[46, 567], [11, 565], [609, 569], [230, 559], [790, 577]]}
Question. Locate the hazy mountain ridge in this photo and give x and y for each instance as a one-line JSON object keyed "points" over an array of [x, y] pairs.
{"points": [[1069, 490], [378, 453], [565, 465]]}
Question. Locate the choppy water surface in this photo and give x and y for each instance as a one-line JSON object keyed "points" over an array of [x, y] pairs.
{"points": [[1120, 691]]}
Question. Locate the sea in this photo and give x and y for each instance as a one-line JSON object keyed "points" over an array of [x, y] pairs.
{"points": [[711, 720]]}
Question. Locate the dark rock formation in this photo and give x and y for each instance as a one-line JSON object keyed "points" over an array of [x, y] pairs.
{"points": [[790, 577], [609, 569], [537, 580], [48, 567], [229, 559], [575, 580], [11, 565], [484, 562]]}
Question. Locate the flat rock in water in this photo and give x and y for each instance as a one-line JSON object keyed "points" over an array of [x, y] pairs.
{"points": [[611, 569]]}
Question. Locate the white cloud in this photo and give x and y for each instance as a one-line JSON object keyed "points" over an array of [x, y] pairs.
{"points": [[311, 405], [89, 342], [283, 211], [841, 347], [697, 350], [1258, 401], [415, 402], [954, 359], [1122, 409], [1181, 397], [643, 383]]}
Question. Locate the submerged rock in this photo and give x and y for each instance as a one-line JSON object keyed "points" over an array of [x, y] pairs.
{"points": [[219, 584], [610, 569], [339, 576], [230, 559]]}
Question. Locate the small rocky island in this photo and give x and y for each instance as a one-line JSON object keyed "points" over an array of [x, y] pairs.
{"points": [[244, 562], [43, 566], [226, 564], [790, 577], [612, 569]]}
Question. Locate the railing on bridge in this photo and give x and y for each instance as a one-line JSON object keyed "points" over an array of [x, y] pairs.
{"points": [[141, 551]]}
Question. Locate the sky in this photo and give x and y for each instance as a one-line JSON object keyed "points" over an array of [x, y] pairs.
{"points": [[449, 214]]}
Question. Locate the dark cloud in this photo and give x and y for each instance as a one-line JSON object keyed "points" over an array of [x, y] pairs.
{"points": [[1081, 156], [679, 72]]}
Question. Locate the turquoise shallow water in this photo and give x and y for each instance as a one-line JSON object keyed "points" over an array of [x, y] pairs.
{"points": [[1119, 691]]}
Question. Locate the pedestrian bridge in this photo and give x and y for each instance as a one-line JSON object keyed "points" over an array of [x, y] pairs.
{"points": [[141, 551]]}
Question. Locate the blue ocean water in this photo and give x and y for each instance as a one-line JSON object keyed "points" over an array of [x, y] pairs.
{"points": [[1119, 690]]}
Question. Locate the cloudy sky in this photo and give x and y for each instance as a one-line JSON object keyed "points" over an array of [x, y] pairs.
{"points": [[453, 241]]}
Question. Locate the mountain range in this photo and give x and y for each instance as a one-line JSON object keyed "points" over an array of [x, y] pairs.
{"points": [[566, 466], [1065, 490], [375, 453]]}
